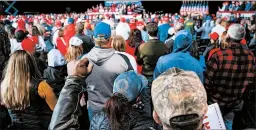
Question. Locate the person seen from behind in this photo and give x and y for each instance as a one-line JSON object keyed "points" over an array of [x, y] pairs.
{"points": [[29, 99], [107, 66], [118, 43], [124, 110], [87, 41], [179, 100], [232, 68], [56, 71], [149, 52], [68, 110], [181, 57]]}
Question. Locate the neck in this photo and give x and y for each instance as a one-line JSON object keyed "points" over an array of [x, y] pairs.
{"points": [[152, 37]]}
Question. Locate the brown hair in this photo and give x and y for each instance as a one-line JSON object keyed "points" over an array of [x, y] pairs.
{"points": [[118, 43], [60, 33]]}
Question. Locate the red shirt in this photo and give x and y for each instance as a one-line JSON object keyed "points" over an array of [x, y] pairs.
{"points": [[28, 45], [69, 31], [62, 45], [131, 51]]}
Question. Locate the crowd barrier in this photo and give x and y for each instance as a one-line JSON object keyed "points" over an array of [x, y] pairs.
{"points": [[245, 14]]}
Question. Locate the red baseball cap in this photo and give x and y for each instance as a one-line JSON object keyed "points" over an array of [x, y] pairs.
{"points": [[214, 36], [122, 19]]}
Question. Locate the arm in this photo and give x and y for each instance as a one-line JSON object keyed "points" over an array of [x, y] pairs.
{"points": [[46, 92], [139, 55]]}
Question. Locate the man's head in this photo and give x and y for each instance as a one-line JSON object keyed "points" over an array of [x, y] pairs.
{"points": [[79, 28], [102, 33], [179, 100], [152, 29], [236, 32]]}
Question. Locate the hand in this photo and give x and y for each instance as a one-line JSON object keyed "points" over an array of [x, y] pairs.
{"points": [[80, 68]]}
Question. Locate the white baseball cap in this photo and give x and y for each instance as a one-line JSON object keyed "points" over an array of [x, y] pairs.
{"points": [[75, 41]]}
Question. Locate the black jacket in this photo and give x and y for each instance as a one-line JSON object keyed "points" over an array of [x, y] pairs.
{"points": [[55, 78], [5, 51], [68, 110], [36, 117], [87, 42]]}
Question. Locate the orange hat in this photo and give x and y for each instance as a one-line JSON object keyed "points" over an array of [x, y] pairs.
{"points": [[214, 36], [122, 19]]}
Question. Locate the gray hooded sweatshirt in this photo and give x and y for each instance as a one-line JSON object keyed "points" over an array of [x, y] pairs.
{"points": [[107, 66]]}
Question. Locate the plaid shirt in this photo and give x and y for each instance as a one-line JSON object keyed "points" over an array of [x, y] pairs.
{"points": [[228, 73]]}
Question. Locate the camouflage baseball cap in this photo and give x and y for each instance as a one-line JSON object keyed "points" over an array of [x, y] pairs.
{"points": [[176, 93]]}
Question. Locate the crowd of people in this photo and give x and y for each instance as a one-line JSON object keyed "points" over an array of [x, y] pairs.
{"points": [[123, 8], [238, 6], [69, 71]]}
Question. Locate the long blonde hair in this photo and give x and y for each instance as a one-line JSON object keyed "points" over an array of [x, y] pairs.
{"points": [[118, 43], [15, 87], [73, 52]]}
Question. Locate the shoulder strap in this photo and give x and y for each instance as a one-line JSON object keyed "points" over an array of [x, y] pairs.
{"points": [[127, 61], [63, 41], [212, 52]]}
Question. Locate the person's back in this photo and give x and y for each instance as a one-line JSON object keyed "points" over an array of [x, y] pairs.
{"points": [[34, 98], [228, 73], [179, 99], [87, 42], [106, 69], [149, 52], [180, 57]]}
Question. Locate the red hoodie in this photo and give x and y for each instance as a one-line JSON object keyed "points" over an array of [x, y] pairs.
{"points": [[69, 31], [62, 45], [28, 45]]}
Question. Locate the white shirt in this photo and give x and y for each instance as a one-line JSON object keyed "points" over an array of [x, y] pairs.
{"points": [[123, 29], [15, 45], [218, 29], [131, 59]]}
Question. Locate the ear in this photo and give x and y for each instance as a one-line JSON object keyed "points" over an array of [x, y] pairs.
{"points": [[156, 118]]}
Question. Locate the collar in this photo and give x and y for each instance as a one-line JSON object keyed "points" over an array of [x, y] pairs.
{"points": [[152, 38]]}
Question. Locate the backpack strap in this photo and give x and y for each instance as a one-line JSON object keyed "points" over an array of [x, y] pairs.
{"points": [[212, 52], [127, 61]]}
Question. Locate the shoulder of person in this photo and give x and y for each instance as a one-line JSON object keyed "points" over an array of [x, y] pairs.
{"points": [[141, 46]]}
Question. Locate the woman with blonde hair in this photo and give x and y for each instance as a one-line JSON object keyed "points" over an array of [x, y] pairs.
{"points": [[30, 101], [118, 43], [75, 51]]}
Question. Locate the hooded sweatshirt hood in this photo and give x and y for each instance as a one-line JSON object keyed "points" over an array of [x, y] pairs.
{"points": [[183, 41], [99, 55]]}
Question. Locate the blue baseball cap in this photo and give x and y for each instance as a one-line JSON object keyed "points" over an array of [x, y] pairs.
{"points": [[70, 20], [130, 84], [102, 29]]}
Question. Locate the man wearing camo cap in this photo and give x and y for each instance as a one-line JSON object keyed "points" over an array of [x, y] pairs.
{"points": [[179, 100]]}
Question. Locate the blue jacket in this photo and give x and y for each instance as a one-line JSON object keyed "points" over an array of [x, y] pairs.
{"points": [[145, 36], [206, 30], [163, 32], [180, 57], [248, 6]]}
